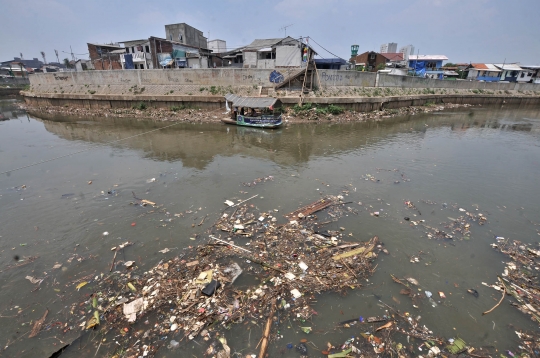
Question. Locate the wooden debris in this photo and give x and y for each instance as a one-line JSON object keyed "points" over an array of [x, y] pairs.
{"points": [[38, 325]]}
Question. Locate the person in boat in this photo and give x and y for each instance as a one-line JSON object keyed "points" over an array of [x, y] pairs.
{"points": [[242, 111], [253, 113], [234, 113]]}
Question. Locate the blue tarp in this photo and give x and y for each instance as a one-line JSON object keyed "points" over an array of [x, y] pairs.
{"points": [[419, 68], [128, 58]]}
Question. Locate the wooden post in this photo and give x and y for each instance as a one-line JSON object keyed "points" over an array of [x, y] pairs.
{"points": [[266, 333]]}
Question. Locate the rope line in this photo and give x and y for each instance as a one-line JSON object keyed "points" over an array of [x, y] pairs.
{"points": [[311, 38], [87, 149]]}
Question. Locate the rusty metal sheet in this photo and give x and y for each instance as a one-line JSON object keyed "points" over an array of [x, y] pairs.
{"points": [[310, 208]]}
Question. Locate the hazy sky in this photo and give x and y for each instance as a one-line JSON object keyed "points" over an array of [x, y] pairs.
{"points": [[489, 31]]}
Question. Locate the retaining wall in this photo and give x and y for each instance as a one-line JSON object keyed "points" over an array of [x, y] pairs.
{"points": [[359, 104], [255, 77], [16, 81], [204, 77]]}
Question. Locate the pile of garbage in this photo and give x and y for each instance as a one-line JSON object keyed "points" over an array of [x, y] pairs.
{"points": [[194, 294], [520, 277], [455, 229]]}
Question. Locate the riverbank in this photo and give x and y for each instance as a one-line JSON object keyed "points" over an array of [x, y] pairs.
{"points": [[214, 116]]}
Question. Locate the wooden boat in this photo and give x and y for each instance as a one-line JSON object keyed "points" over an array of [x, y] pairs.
{"points": [[261, 112]]}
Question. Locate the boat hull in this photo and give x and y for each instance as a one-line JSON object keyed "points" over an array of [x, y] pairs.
{"points": [[269, 122]]}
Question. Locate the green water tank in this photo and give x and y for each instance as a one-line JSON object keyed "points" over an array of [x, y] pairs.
{"points": [[354, 50]]}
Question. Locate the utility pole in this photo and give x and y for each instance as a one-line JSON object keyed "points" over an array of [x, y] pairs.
{"points": [[57, 59], [72, 55], [416, 61]]}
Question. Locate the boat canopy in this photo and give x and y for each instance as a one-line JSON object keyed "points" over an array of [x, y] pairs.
{"points": [[253, 102]]}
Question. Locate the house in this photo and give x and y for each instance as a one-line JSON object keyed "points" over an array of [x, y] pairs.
{"points": [[277, 53], [83, 65], [105, 56], [140, 54], [14, 68], [427, 65], [483, 72], [374, 61], [530, 74], [370, 61], [173, 54], [186, 35], [510, 72]]}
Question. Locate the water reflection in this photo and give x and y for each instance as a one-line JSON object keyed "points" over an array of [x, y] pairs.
{"points": [[196, 145]]}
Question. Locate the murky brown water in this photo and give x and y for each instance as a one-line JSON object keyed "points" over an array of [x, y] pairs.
{"points": [[481, 158]]}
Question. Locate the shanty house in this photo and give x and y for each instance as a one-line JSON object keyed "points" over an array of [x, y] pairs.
{"points": [[276, 53], [530, 74], [483, 72], [106, 56], [510, 72]]}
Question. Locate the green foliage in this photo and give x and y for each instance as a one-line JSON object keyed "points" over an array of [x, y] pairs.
{"points": [[90, 91], [178, 108], [214, 90], [202, 89], [140, 106], [381, 66], [302, 108]]}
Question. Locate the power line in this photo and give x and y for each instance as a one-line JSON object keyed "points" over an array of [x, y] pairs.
{"points": [[326, 49], [87, 149]]}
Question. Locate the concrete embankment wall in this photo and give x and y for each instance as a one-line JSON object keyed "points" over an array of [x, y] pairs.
{"points": [[14, 82], [201, 77], [235, 77], [386, 80], [9, 91], [359, 104]]}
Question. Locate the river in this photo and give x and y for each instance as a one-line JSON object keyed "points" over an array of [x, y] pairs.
{"points": [[66, 181]]}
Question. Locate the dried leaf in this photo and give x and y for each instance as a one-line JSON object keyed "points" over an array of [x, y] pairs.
{"points": [[388, 325]]}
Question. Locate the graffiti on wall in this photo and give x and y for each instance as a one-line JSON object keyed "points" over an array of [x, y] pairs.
{"points": [[276, 77], [332, 78]]}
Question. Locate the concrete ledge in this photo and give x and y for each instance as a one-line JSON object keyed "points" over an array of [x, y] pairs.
{"points": [[359, 104]]}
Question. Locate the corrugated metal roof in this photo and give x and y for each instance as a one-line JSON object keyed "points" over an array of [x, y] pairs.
{"points": [[428, 57], [531, 67], [262, 43], [485, 67], [252, 102], [393, 56], [508, 66]]}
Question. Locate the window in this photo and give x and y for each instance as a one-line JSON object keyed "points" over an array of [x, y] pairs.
{"points": [[522, 74], [372, 56], [133, 49], [147, 48], [127, 49]]}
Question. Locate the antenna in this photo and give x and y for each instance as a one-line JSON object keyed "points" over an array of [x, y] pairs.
{"points": [[57, 59], [285, 28], [43, 55]]}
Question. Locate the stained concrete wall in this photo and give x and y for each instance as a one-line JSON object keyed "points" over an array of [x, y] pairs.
{"points": [[208, 77], [258, 77], [344, 78], [415, 82]]}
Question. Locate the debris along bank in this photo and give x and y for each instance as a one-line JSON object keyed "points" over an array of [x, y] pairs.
{"points": [[194, 294]]}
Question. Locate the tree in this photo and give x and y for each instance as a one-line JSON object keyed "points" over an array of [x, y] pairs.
{"points": [[381, 66], [66, 63]]}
